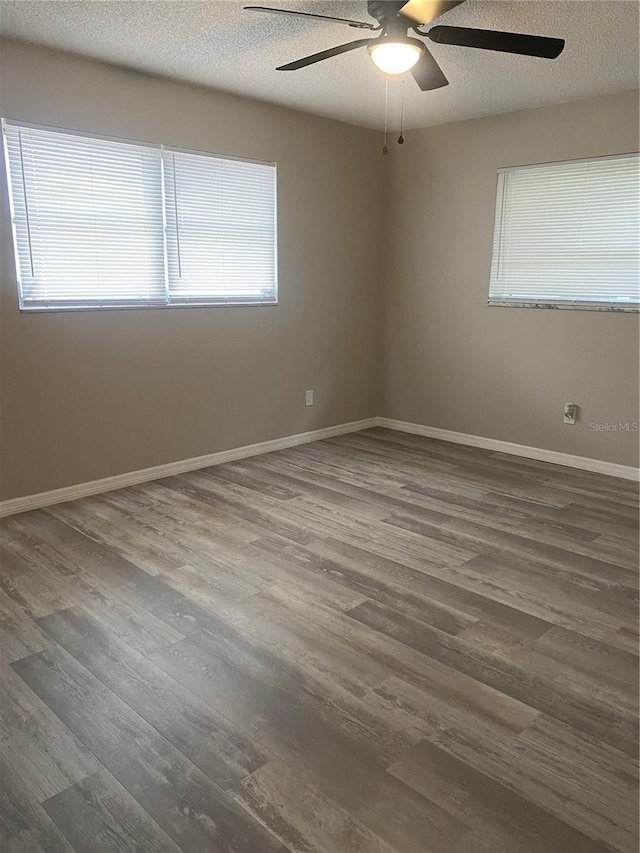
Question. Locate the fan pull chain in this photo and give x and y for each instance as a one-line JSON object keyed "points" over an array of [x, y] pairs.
{"points": [[385, 150], [401, 137]]}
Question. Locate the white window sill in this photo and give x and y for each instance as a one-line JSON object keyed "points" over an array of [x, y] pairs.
{"points": [[575, 306], [57, 309]]}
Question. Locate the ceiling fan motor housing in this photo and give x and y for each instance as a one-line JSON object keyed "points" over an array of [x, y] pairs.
{"points": [[387, 14]]}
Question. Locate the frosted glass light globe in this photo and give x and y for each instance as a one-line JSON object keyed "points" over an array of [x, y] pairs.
{"points": [[395, 57]]}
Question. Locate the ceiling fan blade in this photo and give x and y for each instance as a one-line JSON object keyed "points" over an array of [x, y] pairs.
{"points": [[324, 54], [427, 73], [425, 11], [547, 48], [363, 25]]}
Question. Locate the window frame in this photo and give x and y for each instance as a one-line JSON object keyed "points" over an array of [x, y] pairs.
{"points": [[558, 304], [232, 302]]}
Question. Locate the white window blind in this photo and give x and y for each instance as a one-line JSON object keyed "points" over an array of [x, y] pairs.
{"points": [[111, 223], [88, 219], [568, 234], [220, 229]]}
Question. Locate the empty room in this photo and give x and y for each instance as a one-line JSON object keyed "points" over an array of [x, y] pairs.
{"points": [[319, 426]]}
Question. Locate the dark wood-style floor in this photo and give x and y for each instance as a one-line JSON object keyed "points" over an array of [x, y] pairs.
{"points": [[377, 643]]}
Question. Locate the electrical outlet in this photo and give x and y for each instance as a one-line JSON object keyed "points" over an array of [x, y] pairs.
{"points": [[308, 398], [570, 413]]}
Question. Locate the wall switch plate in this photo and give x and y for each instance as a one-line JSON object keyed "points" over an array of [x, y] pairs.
{"points": [[570, 413], [308, 398]]}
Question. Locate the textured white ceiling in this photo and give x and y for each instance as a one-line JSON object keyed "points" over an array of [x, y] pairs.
{"points": [[218, 44]]}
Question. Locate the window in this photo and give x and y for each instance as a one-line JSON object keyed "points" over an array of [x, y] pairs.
{"points": [[567, 235], [220, 218], [110, 223]]}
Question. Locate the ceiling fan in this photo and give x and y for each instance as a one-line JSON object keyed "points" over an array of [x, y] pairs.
{"points": [[394, 52]]}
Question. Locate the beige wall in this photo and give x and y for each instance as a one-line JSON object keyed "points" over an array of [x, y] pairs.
{"points": [[90, 394], [450, 361], [86, 395]]}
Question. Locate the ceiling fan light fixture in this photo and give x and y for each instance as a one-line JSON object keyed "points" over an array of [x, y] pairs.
{"points": [[395, 56]]}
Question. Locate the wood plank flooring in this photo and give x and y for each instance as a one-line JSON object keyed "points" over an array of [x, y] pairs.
{"points": [[377, 643]]}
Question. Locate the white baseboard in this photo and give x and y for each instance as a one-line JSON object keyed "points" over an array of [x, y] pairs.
{"points": [[599, 466], [132, 478]]}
